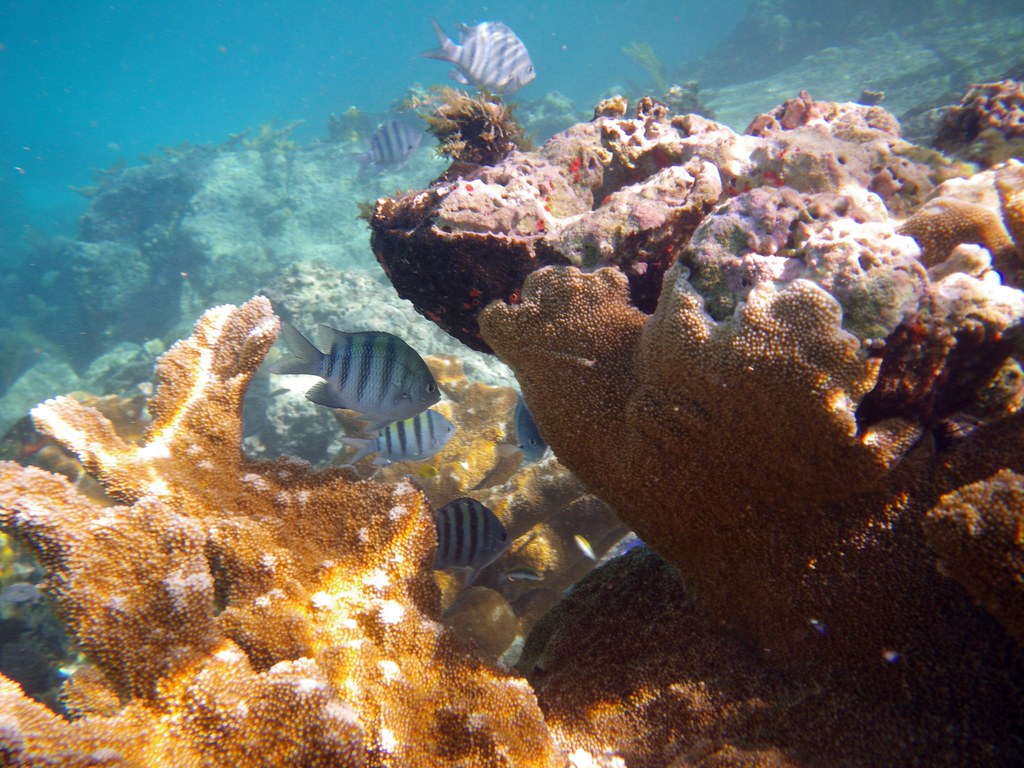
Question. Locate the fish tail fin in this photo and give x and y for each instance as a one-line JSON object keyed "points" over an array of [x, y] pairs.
{"points": [[364, 448], [446, 50], [305, 357]]}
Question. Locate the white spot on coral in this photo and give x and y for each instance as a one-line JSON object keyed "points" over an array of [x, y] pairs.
{"points": [[348, 623], [322, 601], [182, 588], [377, 579], [342, 711], [268, 561], [154, 450], [295, 461], [262, 601], [117, 603], [229, 655], [309, 685], [391, 612], [256, 481], [205, 465], [388, 742], [265, 327], [364, 535], [390, 670], [397, 512], [302, 496], [158, 488]]}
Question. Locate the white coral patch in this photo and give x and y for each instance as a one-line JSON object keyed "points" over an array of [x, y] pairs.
{"points": [[322, 601], [388, 742], [229, 656], [391, 612], [256, 481], [377, 579], [266, 326], [307, 685], [397, 512], [390, 670], [182, 588]]}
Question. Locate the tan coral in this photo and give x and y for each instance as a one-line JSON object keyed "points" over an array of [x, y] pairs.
{"points": [[1010, 184], [978, 531], [247, 613], [945, 222]]}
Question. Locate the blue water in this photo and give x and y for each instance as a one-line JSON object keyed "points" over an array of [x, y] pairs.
{"points": [[85, 84]]}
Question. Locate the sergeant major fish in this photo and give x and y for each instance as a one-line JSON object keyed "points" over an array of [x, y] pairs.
{"points": [[373, 373], [415, 439], [490, 56], [392, 144], [469, 535]]}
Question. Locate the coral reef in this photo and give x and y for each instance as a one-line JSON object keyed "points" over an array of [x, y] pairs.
{"points": [[987, 126], [805, 391], [629, 192], [238, 612]]}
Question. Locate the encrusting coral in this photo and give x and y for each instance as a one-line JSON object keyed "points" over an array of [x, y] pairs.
{"points": [[241, 612]]}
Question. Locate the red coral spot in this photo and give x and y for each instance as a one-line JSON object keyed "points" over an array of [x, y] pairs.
{"points": [[574, 168], [474, 292], [469, 187], [514, 297]]}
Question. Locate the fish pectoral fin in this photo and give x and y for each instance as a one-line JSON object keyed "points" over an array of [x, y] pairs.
{"points": [[458, 77], [402, 396], [321, 394]]}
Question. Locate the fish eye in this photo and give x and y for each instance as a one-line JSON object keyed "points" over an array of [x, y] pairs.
{"points": [[431, 389]]}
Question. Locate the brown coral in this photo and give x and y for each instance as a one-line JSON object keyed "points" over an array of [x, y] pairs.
{"points": [[238, 612], [987, 125], [739, 457], [978, 531]]}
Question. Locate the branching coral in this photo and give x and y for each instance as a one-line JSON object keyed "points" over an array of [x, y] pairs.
{"points": [[238, 612]]}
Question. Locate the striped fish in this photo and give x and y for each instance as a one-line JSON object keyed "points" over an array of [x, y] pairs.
{"points": [[392, 144], [527, 435], [415, 439], [489, 57], [469, 535], [373, 373]]}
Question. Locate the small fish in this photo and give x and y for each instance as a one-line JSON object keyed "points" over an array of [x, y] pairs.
{"points": [[490, 56], [414, 439], [469, 535], [527, 435], [584, 546], [392, 144], [373, 373], [523, 573]]}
